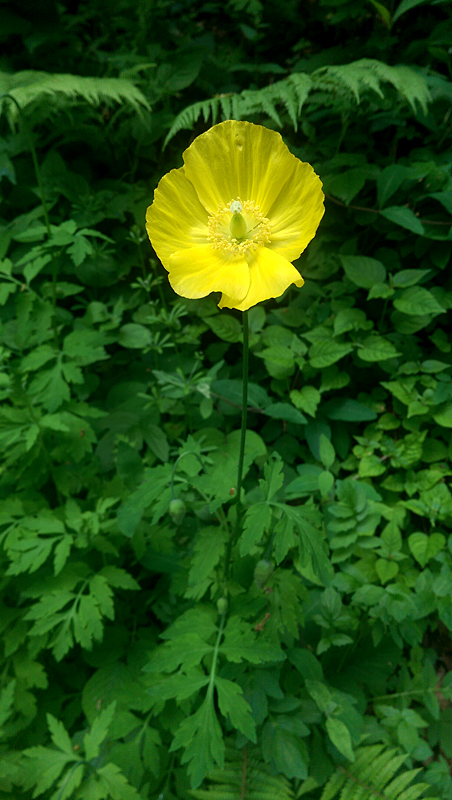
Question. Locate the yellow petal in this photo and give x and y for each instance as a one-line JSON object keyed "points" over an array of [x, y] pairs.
{"points": [[176, 219], [296, 212], [238, 159], [197, 271], [270, 275]]}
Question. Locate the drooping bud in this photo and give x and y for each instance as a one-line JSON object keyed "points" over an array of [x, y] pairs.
{"points": [[237, 225], [222, 606], [262, 572], [177, 510]]}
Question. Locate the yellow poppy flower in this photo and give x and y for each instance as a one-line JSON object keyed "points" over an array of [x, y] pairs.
{"points": [[235, 216]]}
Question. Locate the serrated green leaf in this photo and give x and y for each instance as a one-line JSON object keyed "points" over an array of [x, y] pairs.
{"points": [[323, 354], [404, 217], [286, 412], [62, 553], [232, 704], [424, 547], [350, 319], [386, 570], [201, 737], [226, 327], [98, 733], [389, 180], [326, 482], [363, 271], [111, 783], [209, 548], [444, 416], [408, 277], [307, 482], [69, 782], [327, 452], [340, 737], [134, 336], [6, 702], [306, 399], [188, 649], [284, 538], [376, 348], [60, 736], [312, 544], [103, 595], [44, 767], [85, 346], [417, 300], [155, 481], [178, 687], [156, 439], [273, 477], [285, 751], [241, 644], [119, 578], [347, 184], [257, 521]]}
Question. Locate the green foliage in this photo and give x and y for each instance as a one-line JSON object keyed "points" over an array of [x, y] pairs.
{"points": [[343, 86], [28, 87], [243, 772], [375, 773], [137, 660]]}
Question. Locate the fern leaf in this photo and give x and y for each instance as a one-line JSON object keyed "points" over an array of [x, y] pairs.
{"points": [[291, 92], [346, 74], [369, 74], [28, 87], [302, 85], [415, 791], [383, 768], [268, 106], [226, 105], [332, 84], [244, 777], [212, 108], [372, 776], [413, 86], [188, 118], [397, 786], [334, 785]]}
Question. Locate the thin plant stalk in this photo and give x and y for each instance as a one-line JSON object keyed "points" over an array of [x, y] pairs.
{"points": [[34, 157], [239, 504]]}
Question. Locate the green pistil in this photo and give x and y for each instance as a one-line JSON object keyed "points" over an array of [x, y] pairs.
{"points": [[238, 227]]}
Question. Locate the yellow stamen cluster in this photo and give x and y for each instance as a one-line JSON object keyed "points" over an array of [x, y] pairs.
{"points": [[256, 228]]}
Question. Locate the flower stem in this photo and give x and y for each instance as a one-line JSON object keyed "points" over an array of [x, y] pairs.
{"points": [[244, 414], [239, 504]]}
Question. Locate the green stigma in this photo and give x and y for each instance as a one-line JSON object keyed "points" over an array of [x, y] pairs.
{"points": [[237, 225]]}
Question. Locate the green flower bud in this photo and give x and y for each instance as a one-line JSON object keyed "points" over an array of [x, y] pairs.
{"points": [[222, 606], [262, 572], [177, 510]]}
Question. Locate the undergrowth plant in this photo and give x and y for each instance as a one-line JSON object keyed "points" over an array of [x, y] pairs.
{"points": [[320, 666]]}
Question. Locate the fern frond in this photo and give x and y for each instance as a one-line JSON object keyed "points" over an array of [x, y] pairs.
{"points": [[292, 92], [28, 87], [338, 82], [373, 776], [244, 777], [368, 73]]}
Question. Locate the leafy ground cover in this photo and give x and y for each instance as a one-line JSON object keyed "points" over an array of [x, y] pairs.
{"points": [[320, 666]]}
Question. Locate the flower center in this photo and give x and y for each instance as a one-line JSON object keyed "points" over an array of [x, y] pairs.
{"points": [[238, 227]]}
